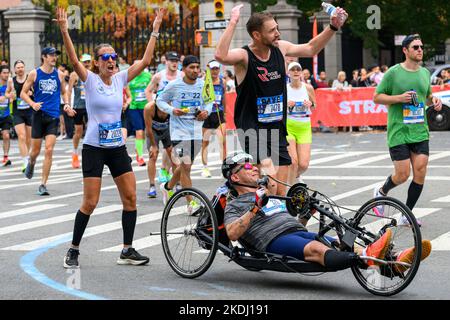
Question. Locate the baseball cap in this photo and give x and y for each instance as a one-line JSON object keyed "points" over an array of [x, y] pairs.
{"points": [[172, 55], [410, 39], [214, 64], [85, 57], [50, 50], [294, 64], [189, 60]]}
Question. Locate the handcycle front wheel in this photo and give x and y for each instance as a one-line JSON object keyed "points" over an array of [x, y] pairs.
{"points": [[373, 219], [189, 240]]}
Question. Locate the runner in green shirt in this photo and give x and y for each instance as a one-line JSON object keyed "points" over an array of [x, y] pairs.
{"points": [[136, 111], [406, 90]]}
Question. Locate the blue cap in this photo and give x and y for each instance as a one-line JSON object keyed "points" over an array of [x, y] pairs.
{"points": [[50, 50]]}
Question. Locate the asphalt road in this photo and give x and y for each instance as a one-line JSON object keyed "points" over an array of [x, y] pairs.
{"points": [[35, 231]]}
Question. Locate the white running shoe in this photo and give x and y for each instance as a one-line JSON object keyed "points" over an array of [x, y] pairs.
{"points": [[206, 173], [403, 221], [379, 210], [166, 194]]}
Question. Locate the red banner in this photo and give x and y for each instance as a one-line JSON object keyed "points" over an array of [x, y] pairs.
{"points": [[354, 107]]}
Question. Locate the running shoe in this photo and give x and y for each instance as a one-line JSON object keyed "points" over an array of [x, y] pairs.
{"points": [[379, 248], [152, 192], [404, 222], [29, 170], [193, 207], [206, 173], [407, 256], [166, 194], [163, 176], [6, 162], [42, 191], [61, 137], [75, 161], [132, 257], [379, 210], [140, 161], [71, 259], [24, 167]]}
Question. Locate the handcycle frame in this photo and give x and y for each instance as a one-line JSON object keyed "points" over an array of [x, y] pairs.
{"points": [[347, 231]]}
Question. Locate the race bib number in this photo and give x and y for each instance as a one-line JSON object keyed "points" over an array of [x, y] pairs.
{"points": [[110, 134], [413, 114], [299, 110], [82, 92], [274, 206], [190, 108], [139, 95], [22, 105], [270, 109], [217, 106]]}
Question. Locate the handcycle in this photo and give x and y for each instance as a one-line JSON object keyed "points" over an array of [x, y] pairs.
{"points": [[190, 242]]}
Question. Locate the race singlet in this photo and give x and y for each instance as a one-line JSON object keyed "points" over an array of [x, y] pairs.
{"points": [[270, 109], [110, 134]]}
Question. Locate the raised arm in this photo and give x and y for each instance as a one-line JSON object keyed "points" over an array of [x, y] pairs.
{"points": [[223, 53], [61, 20], [137, 68]]}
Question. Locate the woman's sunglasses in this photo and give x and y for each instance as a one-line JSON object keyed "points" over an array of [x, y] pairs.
{"points": [[106, 56], [246, 166], [417, 47]]}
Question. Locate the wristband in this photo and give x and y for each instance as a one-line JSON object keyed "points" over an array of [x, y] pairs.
{"points": [[155, 34], [334, 28]]}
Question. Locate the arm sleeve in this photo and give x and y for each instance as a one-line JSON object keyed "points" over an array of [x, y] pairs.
{"points": [[164, 98]]}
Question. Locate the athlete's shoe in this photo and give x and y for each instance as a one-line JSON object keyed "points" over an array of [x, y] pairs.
{"points": [[71, 259], [24, 167], [407, 256], [163, 175], [42, 191], [29, 170], [379, 210], [378, 248], [403, 221], [140, 161], [166, 194], [75, 161], [193, 207], [132, 257], [152, 192], [61, 137], [206, 173], [178, 187], [6, 162]]}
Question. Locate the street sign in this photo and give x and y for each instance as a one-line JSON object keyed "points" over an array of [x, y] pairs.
{"points": [[216, 24]]}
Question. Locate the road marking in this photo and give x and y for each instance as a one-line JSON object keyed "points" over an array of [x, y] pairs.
{"points": [[54, 220], [441, 243], [23, 211], [335, 157], [440, 155], [443, 199], [364, 161], [51, 181]]}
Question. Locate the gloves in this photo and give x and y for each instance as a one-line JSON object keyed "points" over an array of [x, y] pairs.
{"points": [[261, 198]]}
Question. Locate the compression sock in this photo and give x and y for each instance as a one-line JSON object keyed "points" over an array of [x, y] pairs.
{"points": [[414, 192], [139, 143], [388, 185], [338, 260], [81, 221], [128, 226]]}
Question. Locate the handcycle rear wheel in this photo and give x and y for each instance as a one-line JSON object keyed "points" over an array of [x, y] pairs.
{"points": [[189, 242], [388, 280]]}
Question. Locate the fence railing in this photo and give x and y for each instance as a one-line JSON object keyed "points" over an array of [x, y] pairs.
{"points": [[4, 38]]}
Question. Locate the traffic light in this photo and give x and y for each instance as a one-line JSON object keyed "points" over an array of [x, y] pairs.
{"points": [[202, 38], [219, 8]]}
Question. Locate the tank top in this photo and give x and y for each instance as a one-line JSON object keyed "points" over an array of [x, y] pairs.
{"points": [[298, 112], [47, 89], [4, 106], [164, 81], [79, 90], [219, 92], [19, 104], [158, 123], [261, 97]]}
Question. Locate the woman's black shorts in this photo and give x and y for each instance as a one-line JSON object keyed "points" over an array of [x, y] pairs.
{"points": [[94, 159]]}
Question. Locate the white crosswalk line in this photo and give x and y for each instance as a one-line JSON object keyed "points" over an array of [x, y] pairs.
{"points": [[54, 220], [443, 199], [29, 210], [440, 155], [441, 243], [336, 157], [364, 161], [52, 181], [89, 232]]}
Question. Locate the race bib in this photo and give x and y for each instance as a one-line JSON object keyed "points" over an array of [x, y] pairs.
{"points": [[190, 108], [82, 92], [159, 126], [22, 105], [110, 134], [4, 109], [217, 106], [270, 109], [274, 206], [139, 95], [299, 110], [413, 114]]}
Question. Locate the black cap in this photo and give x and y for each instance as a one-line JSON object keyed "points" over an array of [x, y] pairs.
{"points": [[50, 50], [172, 55], [189, 60], [406, 42]]}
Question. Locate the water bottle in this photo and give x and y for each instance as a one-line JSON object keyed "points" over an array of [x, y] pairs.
{"points": [[331, 10]]}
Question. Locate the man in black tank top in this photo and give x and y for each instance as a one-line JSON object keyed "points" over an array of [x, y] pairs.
{"points": [[261, 104]]}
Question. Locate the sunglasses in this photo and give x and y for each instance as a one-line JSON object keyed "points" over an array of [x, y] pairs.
{"points": [[246, 166], [417, 47], [295, 69], [106, 56]]}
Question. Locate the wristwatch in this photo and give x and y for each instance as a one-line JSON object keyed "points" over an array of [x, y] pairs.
{"points": [[254, 210], [333, 28], [155, 34]]}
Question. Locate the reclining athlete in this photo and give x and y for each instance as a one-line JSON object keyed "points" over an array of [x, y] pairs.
{"points": [[266, 225]]}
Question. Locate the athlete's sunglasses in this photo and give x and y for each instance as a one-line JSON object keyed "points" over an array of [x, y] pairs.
{"points": [[417, 47], [246, 166], [106, 56]]}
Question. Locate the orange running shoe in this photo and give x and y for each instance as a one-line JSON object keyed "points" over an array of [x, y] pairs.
{"points": [[378, 248], [141, 162], [75, 161], [407, 255]]}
